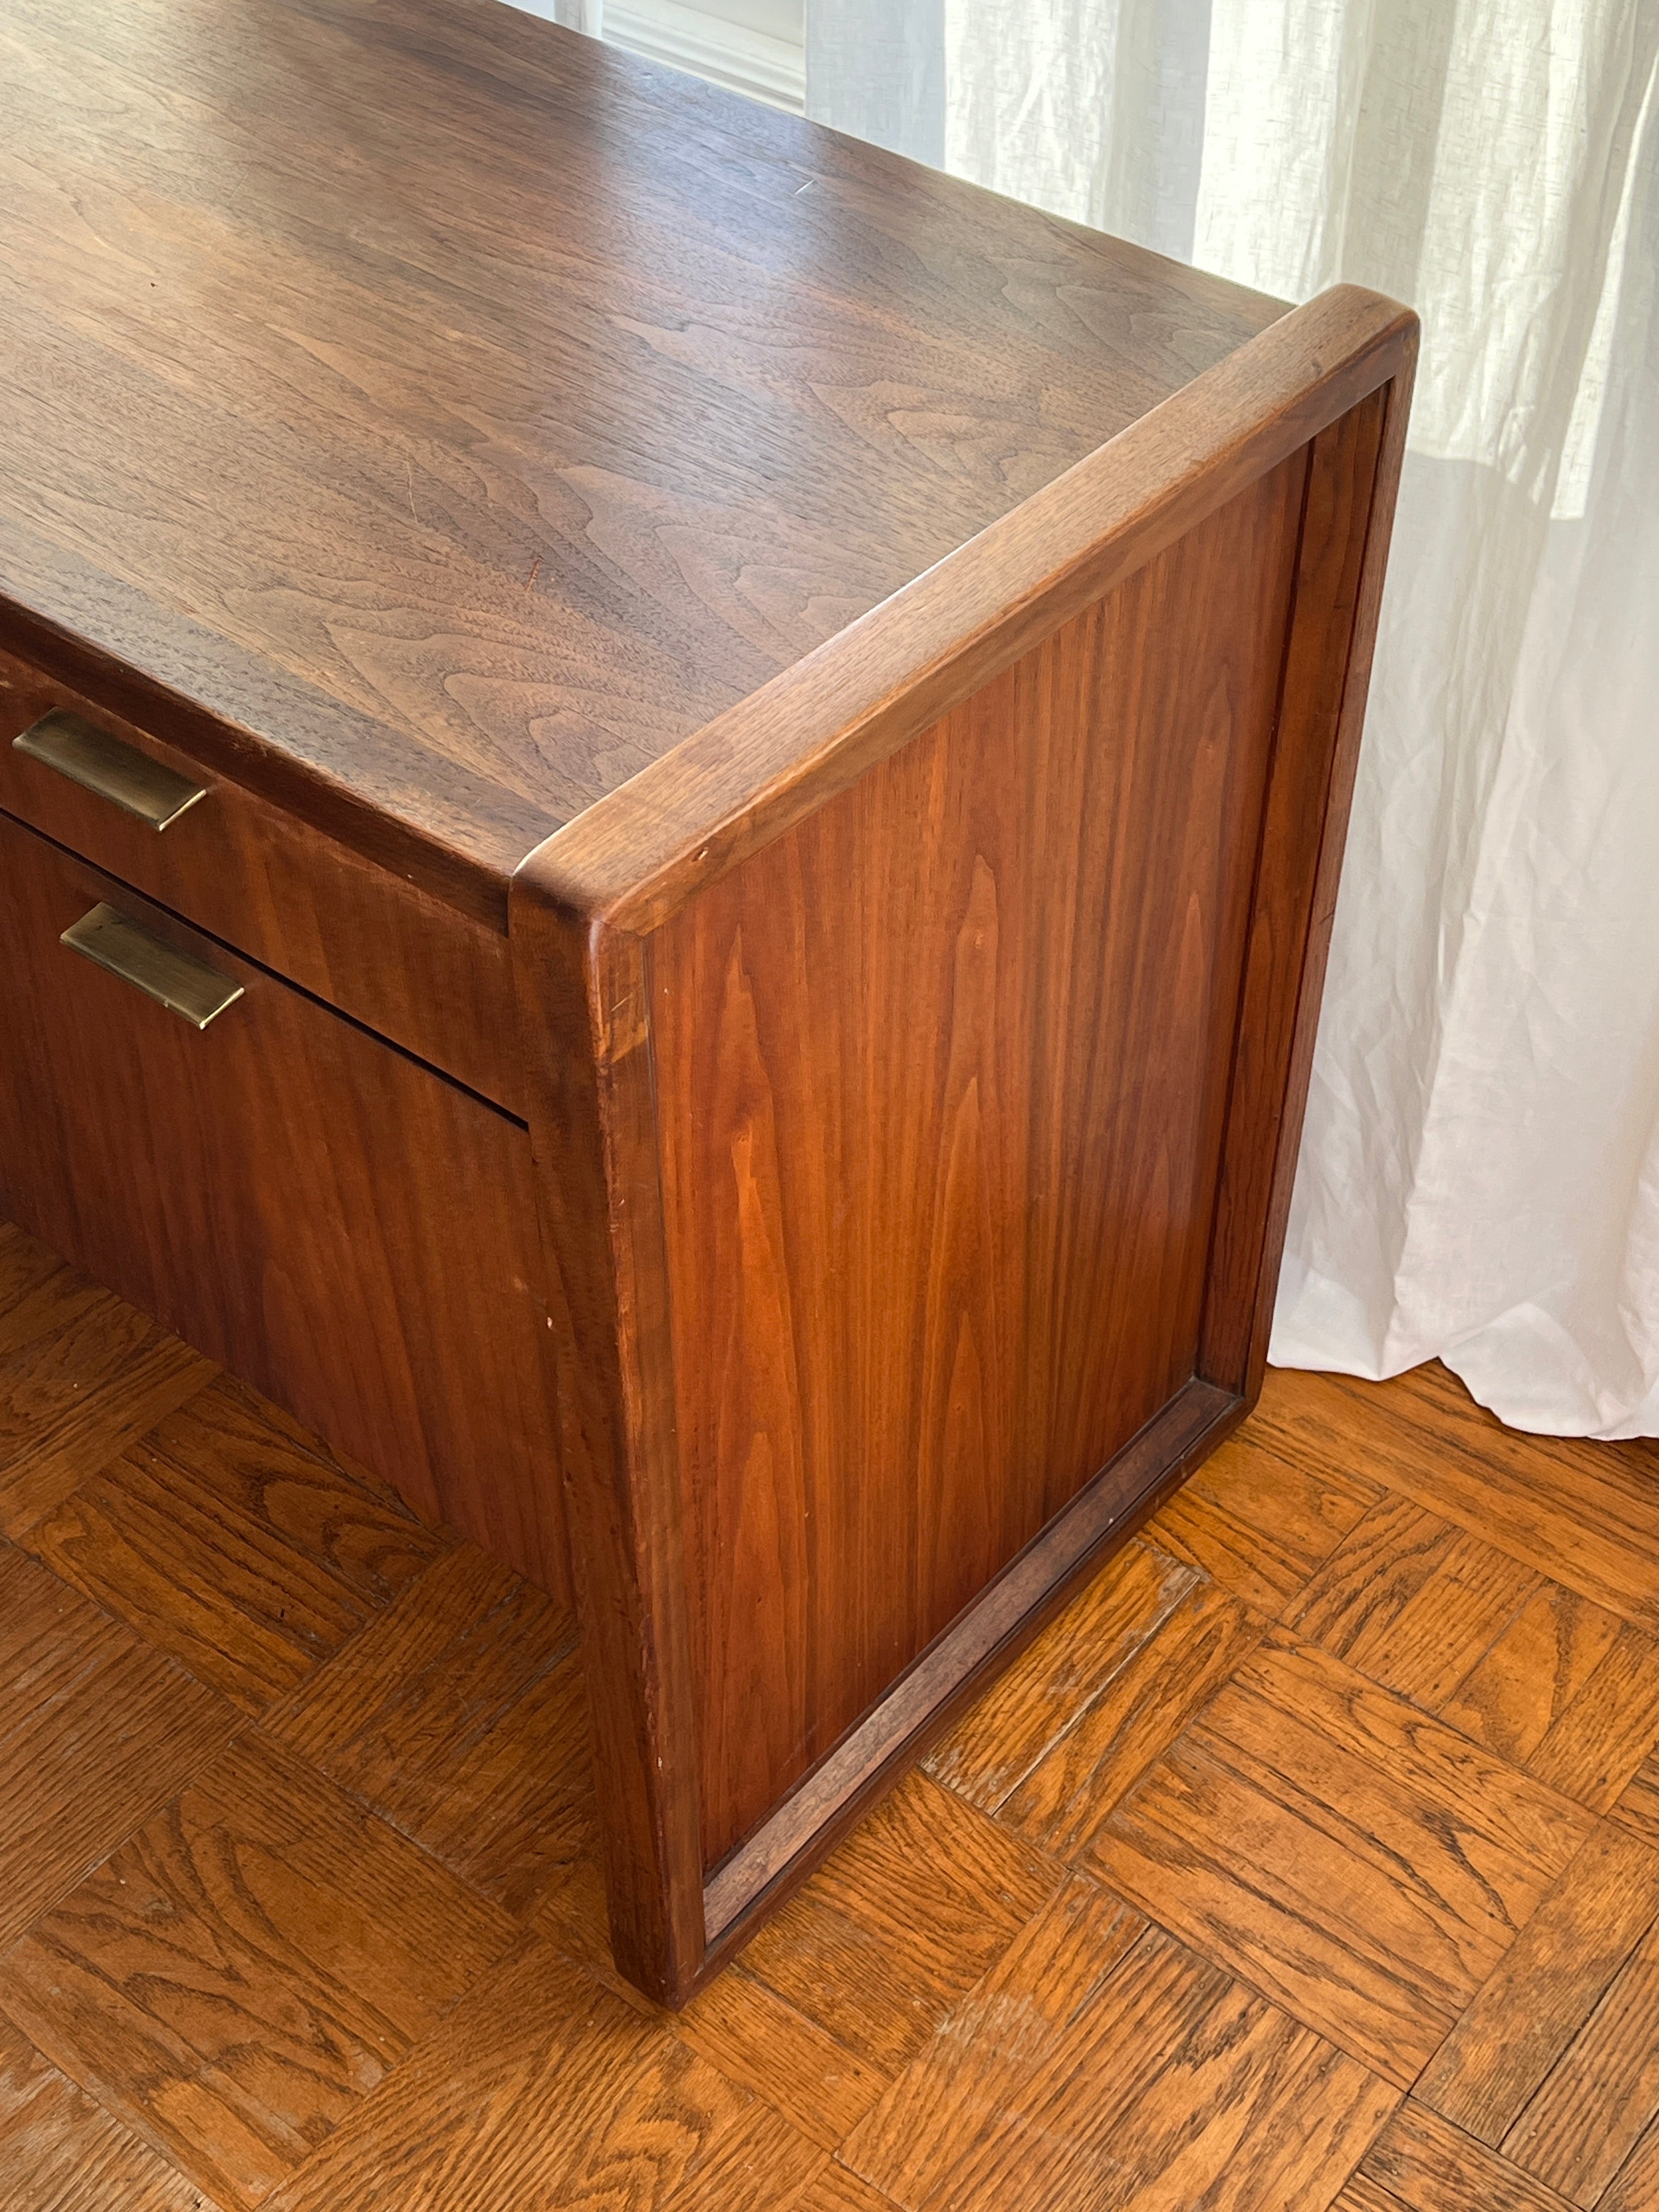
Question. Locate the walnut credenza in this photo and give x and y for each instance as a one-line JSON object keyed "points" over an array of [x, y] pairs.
{"points": [[672, 794]]}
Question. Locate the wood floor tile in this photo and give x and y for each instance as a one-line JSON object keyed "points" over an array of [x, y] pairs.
{"points": [[1598, 1743], [1635, 2187], [1429, 2166], [1512, 1697], [1257, 1524], [1101, 2065], [61, 2152], [236, 1977], [95, 1731], [1119, 1733], [225, 1541], [900, 1922], [1586, 2118], [545, 2092], [1412, 1600], [1577, 1513], [1053, 2001], [25, 1265], [1288, 1691], [835, 2190], [81, 1376], [1549, 1981], [742, 2026], [1359, 1863], [459, 1716], [756, 2039], [1382, 1563], [352, 1957], [1529, 1668], [1441, 1404], [997, 1743], [1363, 2195], [1637, 1805]]}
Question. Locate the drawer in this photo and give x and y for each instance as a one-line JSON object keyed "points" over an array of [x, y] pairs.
{"points": [[347, 1230], [433, 980]]}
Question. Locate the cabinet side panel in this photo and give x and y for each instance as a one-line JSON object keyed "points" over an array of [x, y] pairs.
{"points": [[941, 1076]]}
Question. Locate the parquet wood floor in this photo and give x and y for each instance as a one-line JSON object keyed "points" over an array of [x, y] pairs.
{"points": [[1308, 1862]]}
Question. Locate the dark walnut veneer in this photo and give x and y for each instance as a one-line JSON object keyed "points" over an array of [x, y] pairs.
{"points": [[777, 733]]}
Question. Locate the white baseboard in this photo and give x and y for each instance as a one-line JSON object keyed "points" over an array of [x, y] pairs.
{"points": [[772, 69]]}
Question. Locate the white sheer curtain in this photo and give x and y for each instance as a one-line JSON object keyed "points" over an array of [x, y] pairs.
{"points": [[1480, 1173]]}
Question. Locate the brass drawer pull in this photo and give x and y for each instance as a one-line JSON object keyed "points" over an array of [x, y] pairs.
{"points": [[172, 978], [118, 772]]}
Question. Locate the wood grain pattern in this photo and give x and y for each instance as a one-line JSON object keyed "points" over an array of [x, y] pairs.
{"points": [[1602, 2092], [1362, 2194], [988, 1632], [949, 2019], [1551, 1977], [243, 1552], [542, 2089], [1429, 2166], [1529, 1668], [754, 512], [61, 2152], [459, 1717], [82, 1375], [672, 830], [838, 1192], [991, 1750], [1118, 1734], [1413, 1602], [1635, 2185], [461, 472], [902, 1921], [26, 1266], [95, 1731], [1101, 2065], [1637, 1805], [1319, 713], [673, 945], [1602, 1736], [823, 2086], [1257, 1525], [1512, 1697], [1274, 1838], [252, 1962], [835, 2190], [382, 1287], [436, 981], [1584, 1517], [588, 1048]]}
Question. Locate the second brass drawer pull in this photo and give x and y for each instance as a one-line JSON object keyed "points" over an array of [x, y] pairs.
{"points": [[174, 979], [118, 772]]}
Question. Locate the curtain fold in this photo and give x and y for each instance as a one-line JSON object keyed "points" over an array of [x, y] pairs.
{"points": [[1480, 1171]]}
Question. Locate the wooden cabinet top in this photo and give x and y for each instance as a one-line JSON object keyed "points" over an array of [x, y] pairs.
{"points": [[432, 416]]}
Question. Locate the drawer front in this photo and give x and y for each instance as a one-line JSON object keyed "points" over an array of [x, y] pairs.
{"points": [[346, 1230], [435, 981]]}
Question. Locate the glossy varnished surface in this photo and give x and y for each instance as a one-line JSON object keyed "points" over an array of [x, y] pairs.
{"points": [[937, 1020], [942, 1113], [1308, 1862], [935, 639], [407, 966], [381, 1283], [469, 411]]}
